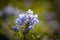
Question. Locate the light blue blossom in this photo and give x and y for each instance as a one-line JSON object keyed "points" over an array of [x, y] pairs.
{"points": [[33, 20], [19, 22], [23, 18]]}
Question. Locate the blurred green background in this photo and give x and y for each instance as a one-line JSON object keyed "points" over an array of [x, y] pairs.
{"points": [[48, 12]]}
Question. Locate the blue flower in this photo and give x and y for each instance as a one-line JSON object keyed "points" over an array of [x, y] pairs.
{"points": [[22, 19], [19, 22], [33, 20], [16, 29]]}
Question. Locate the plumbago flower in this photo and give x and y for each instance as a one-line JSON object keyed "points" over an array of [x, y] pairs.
{"points": [[27, 17]]}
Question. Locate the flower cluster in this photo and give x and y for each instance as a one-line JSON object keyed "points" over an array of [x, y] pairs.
{"points": [[24, 18]]}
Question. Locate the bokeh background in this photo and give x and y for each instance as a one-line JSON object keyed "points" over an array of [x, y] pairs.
{"points": [[48, 12]]}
